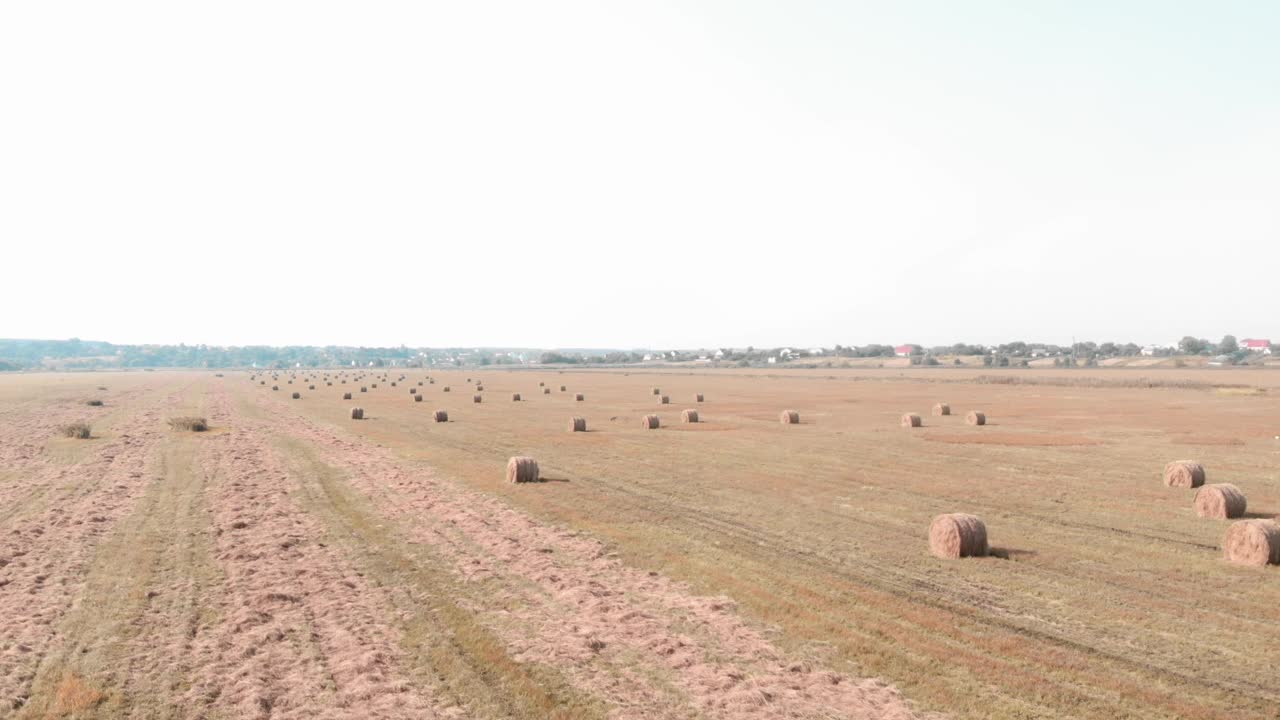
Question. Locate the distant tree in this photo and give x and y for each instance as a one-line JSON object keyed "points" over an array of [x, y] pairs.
{"points": [[1192, 346], [1228, 345]]}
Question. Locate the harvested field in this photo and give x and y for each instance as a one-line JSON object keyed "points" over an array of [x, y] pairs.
{"points": [[292, 563]]}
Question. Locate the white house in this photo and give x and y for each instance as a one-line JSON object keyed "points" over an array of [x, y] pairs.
{"points": [[719, 354], [773, 360], [815, 351]]}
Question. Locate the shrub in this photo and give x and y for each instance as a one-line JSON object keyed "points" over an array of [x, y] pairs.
{"points": [[79, 430], [94, 403], [189, 423]]}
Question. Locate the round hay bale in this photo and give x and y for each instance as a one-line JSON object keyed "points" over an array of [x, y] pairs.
{"points": [[546, 391], [393, 384], [541, 384], [697, 397], [649, 422], [373, 385], [311, 387], [790, 417], [577, 424], [412, 391], [479, 387], [522, 469], [579, 397], [1220, 501], [656, 391], [364, 389], [357, 413], [1184, 474], [419, 383], [1252, 542], [562, 388], [346, 396], [664, 400], [973, 417], [417, 398], [942, 409], [515, 397], [275, 387], [262, 382], [440, 416], [476, 398], [911, 420], [297, 396], [957, 535], [689, 416]]}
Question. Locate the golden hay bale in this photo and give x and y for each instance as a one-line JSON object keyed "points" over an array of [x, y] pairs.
{"points": [[275, 387], [546, 391], [579, 397], [790, 417], [973, 417], [78, 430], [1184, 474], [412, 391], [357, 413], [515, 397], [1220, 501], [373, 385], [942, 409], [656, 391], [689, 416], [297, 396], [417, 398], [189, 423], [1252, 542], [541, 384], [522, 469], [346, 396], [445, 388], [479, 387], [476, 398], [649, 422], [577, 424], [419, 383], [440, 416], [364, 389], [562, 388], [697, 397], [664, 400], [393, 384], [957, 535], [311, 387], [262, 382], [911, 420]]}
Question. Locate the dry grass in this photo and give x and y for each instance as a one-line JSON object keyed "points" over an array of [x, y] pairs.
{"points": [[79, 430], [188, 423]]}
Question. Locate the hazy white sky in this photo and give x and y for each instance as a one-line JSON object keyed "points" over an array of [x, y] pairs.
{"points": [[640, 173]]}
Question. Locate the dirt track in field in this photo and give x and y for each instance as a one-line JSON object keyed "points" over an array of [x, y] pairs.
{"points": [[280, 567]]}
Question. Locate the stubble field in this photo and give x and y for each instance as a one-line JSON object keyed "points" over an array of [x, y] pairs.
{"points": [[292, 562]]}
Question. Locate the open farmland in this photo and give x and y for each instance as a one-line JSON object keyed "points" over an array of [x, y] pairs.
{"points": [[293, 562]]}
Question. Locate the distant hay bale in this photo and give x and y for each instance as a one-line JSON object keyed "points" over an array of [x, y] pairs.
{"points": [[393, 384], [440, 416], [311, 387], [911, 420], [579, 397], [664, 400], [79, 430], [562, 388], [957, 535], [689, 416], [275, 387], [697, 397], [94, 403], [419, 383], [476, 398], [189, 423], [650, 422], [1220, 501], [445, 388], [417, 398], [297, 396], [546, 391], [656, 391], [364, 389], [522, 469], [974, 417], [412, 391], [515, 397], [1184, 474], [262, 382], [577, 424], [790, 417], [1252, 542], [346, 396], [942, 409], [479, 387], [357, 413], [541, 384], [373, 385]]}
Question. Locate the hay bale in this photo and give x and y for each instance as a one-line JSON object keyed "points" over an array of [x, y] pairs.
{"points": [[541, 384], [346, 396], [189, 423], [440, 416], [689, 416], [393, 384], [445, 388], [650, 422], [1184, 474], [1252, 542], [664, 400], [275, 387], [697, 397], [911, 420], [562, 388], [476, 398], [942, 409], [656, 391], [546, 391], [1220, 501], [417, 398], [522, 469], [974, 417], [364, 389], [577, 424], [419, 383], [357, 413], [579, 397], [479, 387], [79, 430], [412, 391], [262, 382], [790, 417], [515, 397], [297, 396], [94, 403], [957, 535]]}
